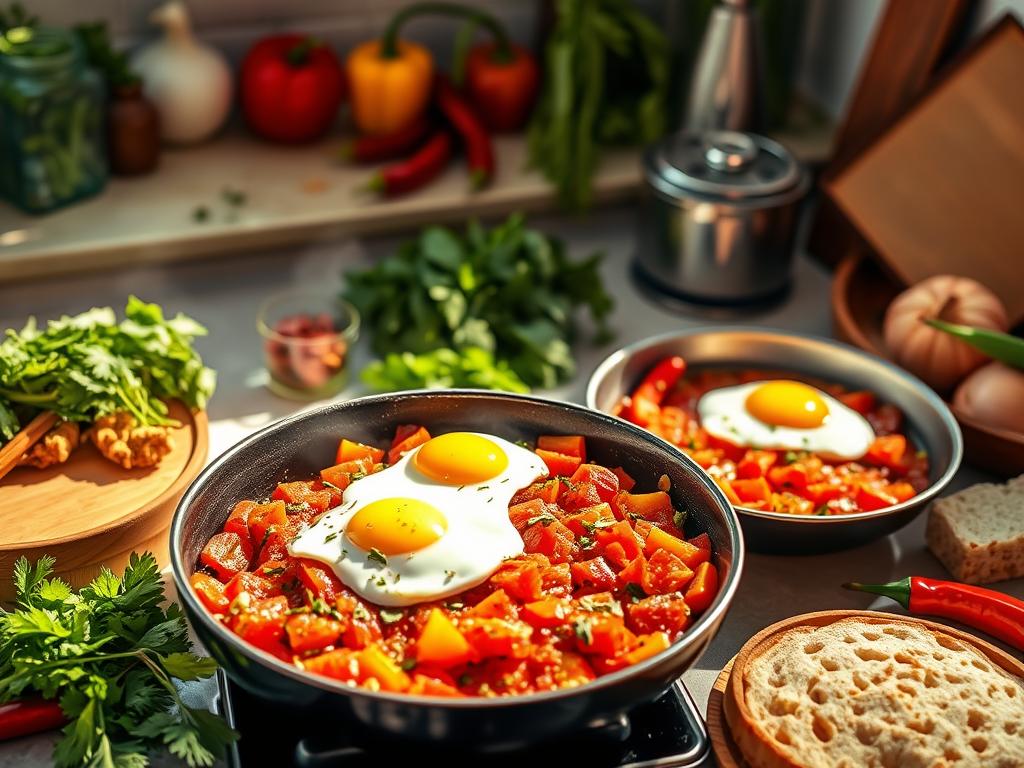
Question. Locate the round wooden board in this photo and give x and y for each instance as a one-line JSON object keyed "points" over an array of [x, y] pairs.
{"points": [[861, 291], [728, 754], [90, 512]]}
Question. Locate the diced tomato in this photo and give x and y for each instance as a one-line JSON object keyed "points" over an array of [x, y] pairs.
{"points": [[409, 440], [577, 497], [869, 498], [310, 493], [707, 457], [341, 664], [754, 489], [603, 633], [319, 580], [275, 545], [567, 445], [546, 613], [226, 554], [424, 685], [822, 493], [521, 514], [546, 490], [656, 507], [667, 573], [756, 464], [646, 399], [496, 605], [626, 482], [342, 474], [238, 520], [622, 534], [731, 451], [615, 554], [375, 663], [673, 423], [559, 463], [309, 632], [497, 637], [603, 480], [636, 572], [263, 517], [659, 613], [210, 592], [791, 504], [887, 451], [901, 491], [262, 625], [701, 541], [647, 646], [349, 450], [519, 579], [689, 554], [702, 590], [583, 522], [792, 476], [862, 401], [363, 623], [726, 487], [556, 580], [550, 538], [594, 575], [257, 586]]}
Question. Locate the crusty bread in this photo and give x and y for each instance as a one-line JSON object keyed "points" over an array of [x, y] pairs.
{"points": [[875, 692], [978, 533]]}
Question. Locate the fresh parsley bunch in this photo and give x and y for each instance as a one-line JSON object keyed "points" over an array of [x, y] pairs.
{"points": [[510, 290], [109, 654], [90, 365]]}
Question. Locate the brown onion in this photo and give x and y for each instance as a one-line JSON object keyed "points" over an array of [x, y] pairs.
{"points": [[994, 395]]}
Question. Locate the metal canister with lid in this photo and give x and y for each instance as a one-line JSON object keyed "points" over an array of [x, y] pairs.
{"points": [[719, 217]]}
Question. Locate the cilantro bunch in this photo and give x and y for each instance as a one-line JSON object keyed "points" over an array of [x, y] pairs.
{"points": [[90, 365], [510, 291], [109, 654]]}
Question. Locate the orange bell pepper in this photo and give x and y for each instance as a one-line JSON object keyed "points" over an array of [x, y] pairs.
{"points": [[389, 82], [441, 643]]}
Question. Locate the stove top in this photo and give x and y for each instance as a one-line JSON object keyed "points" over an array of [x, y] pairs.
{"points": [[666, 733]]}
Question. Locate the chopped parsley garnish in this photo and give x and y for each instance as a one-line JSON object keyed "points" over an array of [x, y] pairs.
{"points": [[585, 542], [408, 664], [581, 627], [604, 522], [545, 519], [390, 617], [330, 537], [377, 556], [600, 605], [790, 456], [448, 576], [274, 571], [483, 487], [636, 592], [331, 485], [360, 612], [679, 518]]}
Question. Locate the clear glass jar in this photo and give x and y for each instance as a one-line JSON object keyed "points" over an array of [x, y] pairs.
{"points": [[52, 114]]}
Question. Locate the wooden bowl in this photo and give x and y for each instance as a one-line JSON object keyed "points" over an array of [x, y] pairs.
{"points": [[726, 694], [861, 292], [89, 512]]}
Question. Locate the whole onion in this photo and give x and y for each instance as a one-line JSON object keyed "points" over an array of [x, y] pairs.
{"points": [[993, 395]]}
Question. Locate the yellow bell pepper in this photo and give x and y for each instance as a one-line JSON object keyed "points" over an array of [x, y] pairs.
{"points": [[388, 92]]}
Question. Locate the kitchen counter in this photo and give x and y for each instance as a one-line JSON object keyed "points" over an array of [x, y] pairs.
{"points": [[224, 295]]}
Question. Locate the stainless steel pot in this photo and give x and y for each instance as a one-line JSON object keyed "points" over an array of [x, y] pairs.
{"points": [[719, 216]]}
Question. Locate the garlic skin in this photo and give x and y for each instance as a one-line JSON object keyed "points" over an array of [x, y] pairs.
{"points": [[994, 396], [189, 82], [933, 355]]}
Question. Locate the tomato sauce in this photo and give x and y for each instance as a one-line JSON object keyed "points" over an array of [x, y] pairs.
{"points": [[607, 579]]}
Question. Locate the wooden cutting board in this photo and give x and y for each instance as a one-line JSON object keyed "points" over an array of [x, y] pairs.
{"points": [[941, 191], [90, 512]]}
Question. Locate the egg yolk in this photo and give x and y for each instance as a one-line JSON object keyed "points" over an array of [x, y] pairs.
{"points": [[787, 404], [460, 458], [395, 526]]}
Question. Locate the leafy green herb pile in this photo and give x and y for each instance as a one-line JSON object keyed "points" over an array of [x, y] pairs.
{"points": [[490, 308], [90, 365], [607, 73], [109, 653]]}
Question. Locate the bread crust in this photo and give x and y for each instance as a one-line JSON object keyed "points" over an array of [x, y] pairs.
{"points": [[758, 748]]}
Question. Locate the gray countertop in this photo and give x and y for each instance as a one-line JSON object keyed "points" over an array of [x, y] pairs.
{"points": [[224, 295]]}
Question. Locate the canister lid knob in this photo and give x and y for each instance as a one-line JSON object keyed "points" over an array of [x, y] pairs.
{"points": [[729, 151]]}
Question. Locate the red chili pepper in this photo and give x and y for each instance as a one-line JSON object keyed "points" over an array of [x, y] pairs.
{"points": [[501, 81], [993, 612], [645, 403], [23, 718], [475, 139], [417, 170], [373, 149]]}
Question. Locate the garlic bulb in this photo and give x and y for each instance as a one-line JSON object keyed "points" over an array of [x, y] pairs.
{"points": [[938, 358], [189, 82]]}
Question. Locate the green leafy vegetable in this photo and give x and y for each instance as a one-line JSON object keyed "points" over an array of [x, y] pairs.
{"points": [[95, 39], [109, 654], [999, 346], [90, 365], [509, 292], [607, 71]]}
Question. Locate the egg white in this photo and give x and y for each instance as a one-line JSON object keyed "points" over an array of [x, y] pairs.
{"points": [[479, 534], [844, 435]]}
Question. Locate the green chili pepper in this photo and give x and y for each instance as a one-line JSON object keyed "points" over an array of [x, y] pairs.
{"points": [[999, 346]]}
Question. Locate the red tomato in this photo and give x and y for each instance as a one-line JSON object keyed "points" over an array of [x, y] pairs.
{"points": [[291, 87], [502, 91]]}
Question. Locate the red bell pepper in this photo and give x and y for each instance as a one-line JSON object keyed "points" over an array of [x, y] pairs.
{"points": [[645, 402], [501, 81]]}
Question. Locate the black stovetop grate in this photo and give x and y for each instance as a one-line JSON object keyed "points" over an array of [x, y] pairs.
{"points": [[667, 733]]}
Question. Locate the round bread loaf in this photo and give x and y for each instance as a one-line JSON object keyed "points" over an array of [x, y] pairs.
{"points": [[875, 689]]}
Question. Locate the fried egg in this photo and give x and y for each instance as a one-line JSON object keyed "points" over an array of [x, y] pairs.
{"points": [[431, 525], [785, 415]]}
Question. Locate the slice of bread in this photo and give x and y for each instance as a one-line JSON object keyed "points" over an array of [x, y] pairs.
{"points": [[978, 533], [878, 691]]}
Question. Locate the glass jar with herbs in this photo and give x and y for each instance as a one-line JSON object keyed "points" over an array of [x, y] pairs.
{"points": [[51, 120]]}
